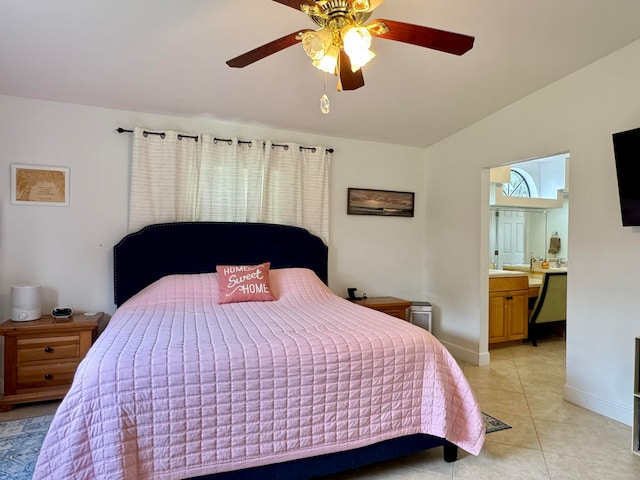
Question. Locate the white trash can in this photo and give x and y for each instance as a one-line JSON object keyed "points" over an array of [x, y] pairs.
{"points": [[420, 314]]}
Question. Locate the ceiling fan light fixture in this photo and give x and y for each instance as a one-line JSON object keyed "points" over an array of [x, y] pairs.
{"points": [[357, 41], [317, 43], [329, 62], [361, 59]]}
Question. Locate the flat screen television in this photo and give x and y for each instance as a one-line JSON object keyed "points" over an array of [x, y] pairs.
{"points": [[626, 147]]}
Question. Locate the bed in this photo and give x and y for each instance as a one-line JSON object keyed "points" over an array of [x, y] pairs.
{"points": [[182, 385]]}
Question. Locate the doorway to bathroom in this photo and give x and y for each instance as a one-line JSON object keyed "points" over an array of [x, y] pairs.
{"points": [[528, 235]]}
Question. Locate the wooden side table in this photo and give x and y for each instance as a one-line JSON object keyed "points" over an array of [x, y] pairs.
{"points": [[396, 307], [41, 356]]}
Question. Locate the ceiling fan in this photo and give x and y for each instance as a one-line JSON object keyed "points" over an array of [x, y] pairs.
{"points": [[341, 46]]}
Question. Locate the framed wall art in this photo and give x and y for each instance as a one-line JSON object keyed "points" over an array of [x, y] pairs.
{"points": [[363, 201], [38, 185]]}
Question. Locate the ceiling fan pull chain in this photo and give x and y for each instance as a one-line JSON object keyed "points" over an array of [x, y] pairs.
{"points": [[325, 104]]}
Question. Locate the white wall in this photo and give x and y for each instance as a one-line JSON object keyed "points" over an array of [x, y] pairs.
{"points": [[68, 250], [578, 115]]}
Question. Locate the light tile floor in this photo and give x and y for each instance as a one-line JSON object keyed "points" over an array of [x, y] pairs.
{"points": [[550, 438]]}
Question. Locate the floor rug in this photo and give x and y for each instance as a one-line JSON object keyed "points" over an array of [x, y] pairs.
{"points": [[20, 443], [493, 424]]}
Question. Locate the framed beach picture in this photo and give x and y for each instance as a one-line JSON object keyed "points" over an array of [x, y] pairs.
{"points": [[38, 185], [363, 201]]}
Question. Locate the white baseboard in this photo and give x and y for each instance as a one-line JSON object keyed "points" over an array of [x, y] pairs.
{"points": [[621, 412], [466, 355]]}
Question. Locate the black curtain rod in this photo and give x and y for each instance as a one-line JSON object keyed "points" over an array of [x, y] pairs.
{"points": [[228, 140], [160, 134]]}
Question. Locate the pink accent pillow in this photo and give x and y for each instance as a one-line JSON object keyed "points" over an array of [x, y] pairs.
{"points": [[244, 283]]}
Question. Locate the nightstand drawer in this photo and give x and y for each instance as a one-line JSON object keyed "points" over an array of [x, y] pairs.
{"points": [[400, 312], [396, 307], [37, 376], [50, 348]]}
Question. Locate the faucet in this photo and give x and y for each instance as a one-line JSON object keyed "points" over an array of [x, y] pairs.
{"points": [[559, 262]]}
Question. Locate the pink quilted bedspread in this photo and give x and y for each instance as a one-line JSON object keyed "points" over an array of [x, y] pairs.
{"points": [[178, 386]]}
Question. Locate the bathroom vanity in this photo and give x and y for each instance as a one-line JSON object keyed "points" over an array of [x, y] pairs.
{"points": [[508, 306]]}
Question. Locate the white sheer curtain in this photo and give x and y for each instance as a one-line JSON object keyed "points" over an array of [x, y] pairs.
{"points": [[164, 172], [176, 178], [296, 187], [230, 180]]}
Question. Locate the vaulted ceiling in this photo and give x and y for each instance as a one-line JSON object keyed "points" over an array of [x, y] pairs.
{"points": [[168, 57]]}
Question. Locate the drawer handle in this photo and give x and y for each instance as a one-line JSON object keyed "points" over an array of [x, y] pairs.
{"points": [[48, 376], [48, 349]]}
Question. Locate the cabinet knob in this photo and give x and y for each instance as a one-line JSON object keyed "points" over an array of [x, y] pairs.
{"points": [[48, 376], [48, 349]]}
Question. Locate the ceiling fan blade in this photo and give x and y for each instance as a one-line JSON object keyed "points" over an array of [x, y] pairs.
{"points": [[265, 50], [449, 42], [296, 3], [348, 79]]}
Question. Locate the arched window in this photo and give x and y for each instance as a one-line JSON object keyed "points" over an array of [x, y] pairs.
{"points": [[518, 187]]}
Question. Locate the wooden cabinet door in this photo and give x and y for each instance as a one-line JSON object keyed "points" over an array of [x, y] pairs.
{"points": [[508, 316], [498, 317], [518, 315]]}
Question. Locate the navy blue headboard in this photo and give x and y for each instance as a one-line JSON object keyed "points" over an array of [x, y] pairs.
{"points": [[149, 254]]}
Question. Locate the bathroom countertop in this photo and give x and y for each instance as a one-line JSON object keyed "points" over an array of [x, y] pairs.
{"points": [[505, 273], [534, 280], [536, 269]]}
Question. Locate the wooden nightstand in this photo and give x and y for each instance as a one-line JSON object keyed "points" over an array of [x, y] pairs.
{"points": [[396, 307], [41, 356]]}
